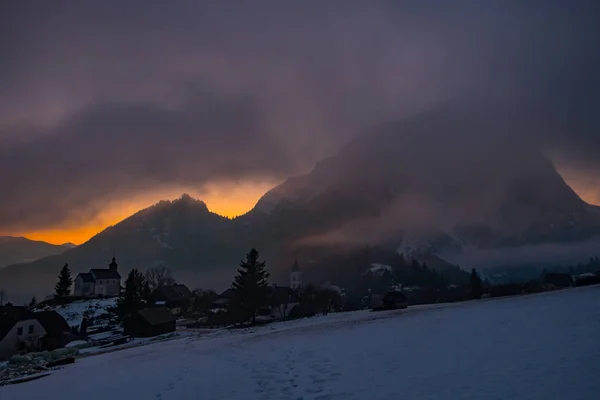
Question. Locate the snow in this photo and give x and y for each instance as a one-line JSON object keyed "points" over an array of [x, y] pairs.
{"points": [[529, 347], [379, 268], [73, 312], [77, 343]]}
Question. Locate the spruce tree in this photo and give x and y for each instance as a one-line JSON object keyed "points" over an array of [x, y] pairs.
{"points": [[131, 298], [32, 304], [476, 285], [62, 289], [251, 286]]}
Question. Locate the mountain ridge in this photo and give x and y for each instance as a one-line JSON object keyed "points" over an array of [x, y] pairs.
{"points": [[430, 183], [19, 250]]}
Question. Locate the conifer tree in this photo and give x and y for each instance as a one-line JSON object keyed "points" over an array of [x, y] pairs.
{"points": [[32, 304], [62, 289], [131, 298], [251, 286], [476, 285]]}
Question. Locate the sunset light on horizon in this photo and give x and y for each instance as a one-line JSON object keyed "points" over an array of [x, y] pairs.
{"points": [[226, 199]]}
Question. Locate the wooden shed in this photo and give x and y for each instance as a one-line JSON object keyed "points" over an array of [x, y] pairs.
{"points": [[150, 322]]}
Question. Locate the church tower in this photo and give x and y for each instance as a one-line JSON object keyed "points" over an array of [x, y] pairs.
{"points": [[113, 265], [296, 276]]}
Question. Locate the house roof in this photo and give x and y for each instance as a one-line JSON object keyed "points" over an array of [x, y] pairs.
{"points": [[156, 316], [172, 293], [9, 316], [52, 322], [224, 298], [228, 294], [86, 277], [283, 295], [105, 274]]}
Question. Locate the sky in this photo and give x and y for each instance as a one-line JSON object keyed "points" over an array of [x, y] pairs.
{"points": [[108, 107]]}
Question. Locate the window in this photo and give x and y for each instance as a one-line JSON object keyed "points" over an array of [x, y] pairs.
{"points": [[20, 331], [30, 329]]}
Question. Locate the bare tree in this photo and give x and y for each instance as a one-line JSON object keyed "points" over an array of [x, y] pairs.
{"points": [[159, 276]]}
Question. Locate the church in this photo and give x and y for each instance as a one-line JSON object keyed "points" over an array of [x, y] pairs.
{"points": [[99, 282], [296, 276]]}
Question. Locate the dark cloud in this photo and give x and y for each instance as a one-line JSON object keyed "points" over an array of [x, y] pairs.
{"points": [[116, 149], [101, 99]]}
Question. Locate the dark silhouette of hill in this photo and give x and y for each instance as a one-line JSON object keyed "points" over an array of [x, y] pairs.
{"points": [[14, 250]]}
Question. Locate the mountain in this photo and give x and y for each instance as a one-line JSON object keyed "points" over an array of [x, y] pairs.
{"points": [[14, 250], [434, 183], [443, 185], [181, 234]]}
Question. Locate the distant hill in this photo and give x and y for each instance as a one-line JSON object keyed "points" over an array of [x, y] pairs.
{"points": [[14, 250], [429, 187], [181, 234]]}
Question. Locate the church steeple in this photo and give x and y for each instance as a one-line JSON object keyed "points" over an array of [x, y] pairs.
{"points": [[296, 275], [113, 265]]}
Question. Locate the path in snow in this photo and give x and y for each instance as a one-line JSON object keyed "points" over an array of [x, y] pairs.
{"points": [[532, 347]]}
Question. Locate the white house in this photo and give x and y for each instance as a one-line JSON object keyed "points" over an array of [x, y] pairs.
{"points": [[99, 282], [19, 329]]}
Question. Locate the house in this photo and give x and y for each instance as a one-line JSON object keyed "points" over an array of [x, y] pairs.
{"points": [[99, 282], [177, 298], [221, 311], [22, 330], [282, 301], [224, 299], [150, 322], [557, 280], [394, 299], [19, 330]]}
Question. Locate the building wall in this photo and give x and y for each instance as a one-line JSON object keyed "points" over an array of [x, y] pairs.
{"points": [[107, 287], [83, 288], [12, 341], [296, 280]]}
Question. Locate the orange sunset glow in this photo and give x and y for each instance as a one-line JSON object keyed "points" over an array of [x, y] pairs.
{"points": [[229, 199]]}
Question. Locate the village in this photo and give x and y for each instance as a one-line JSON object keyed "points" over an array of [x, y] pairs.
{"points": [[101, 316]]}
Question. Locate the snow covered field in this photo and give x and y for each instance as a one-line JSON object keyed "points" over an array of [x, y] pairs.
{"points": [[545, 346], [73, 313]]}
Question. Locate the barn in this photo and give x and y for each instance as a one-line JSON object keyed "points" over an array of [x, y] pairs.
{"points": [[149, 322]]}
